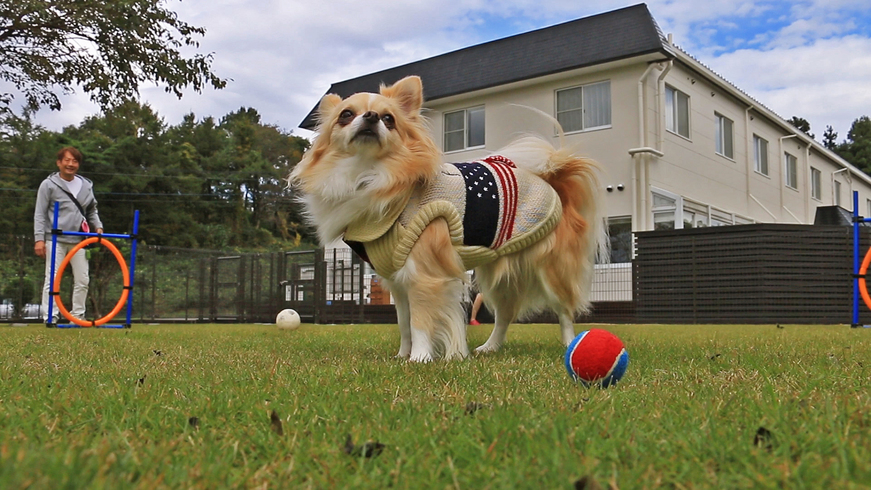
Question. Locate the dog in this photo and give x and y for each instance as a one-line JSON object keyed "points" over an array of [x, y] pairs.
{"points": [[526, 219]]}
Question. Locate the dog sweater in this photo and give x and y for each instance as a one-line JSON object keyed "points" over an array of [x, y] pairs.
{"points": [[492, 209]]}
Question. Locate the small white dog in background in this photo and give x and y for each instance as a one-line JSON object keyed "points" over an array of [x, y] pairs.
{"points": [[525, 219]]}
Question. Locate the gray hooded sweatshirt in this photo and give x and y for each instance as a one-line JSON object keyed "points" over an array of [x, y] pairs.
{"points": [[51, 190]]}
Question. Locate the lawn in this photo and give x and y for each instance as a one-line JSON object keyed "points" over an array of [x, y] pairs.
{"points": [[249, 406]]}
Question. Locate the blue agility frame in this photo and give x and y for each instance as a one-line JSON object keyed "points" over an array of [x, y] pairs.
{"points": [[55, 232]]}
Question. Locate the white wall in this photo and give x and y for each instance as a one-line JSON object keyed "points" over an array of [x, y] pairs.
{"points": [[690, 167]]}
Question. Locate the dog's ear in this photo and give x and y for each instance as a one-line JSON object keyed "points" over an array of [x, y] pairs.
{"points": [[328, 103], [409, 93]]}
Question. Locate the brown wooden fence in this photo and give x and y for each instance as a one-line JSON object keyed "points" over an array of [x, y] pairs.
{"points": [[762, 273]]}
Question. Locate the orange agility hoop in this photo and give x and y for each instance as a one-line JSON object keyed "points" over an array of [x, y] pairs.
{"points": [[863, 288], [124, 292]]}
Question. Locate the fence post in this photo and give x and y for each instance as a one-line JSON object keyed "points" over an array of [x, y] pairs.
{"points": [[274, 283], [19, 311], [256, 277], [154, 287], [187, 288], [320, 295], [142, 289], [201, 313], [358, 265], [213, 289], [241, 273], [281, 279]]}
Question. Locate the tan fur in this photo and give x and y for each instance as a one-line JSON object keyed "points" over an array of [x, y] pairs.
{"points": [[358, 167], [436, 289]]}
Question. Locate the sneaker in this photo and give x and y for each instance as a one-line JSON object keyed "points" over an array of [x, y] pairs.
{"points": [[474, 322]]}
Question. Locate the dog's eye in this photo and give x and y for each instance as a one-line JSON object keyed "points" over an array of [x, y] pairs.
{"points": [[388, 120], [346, 117]]}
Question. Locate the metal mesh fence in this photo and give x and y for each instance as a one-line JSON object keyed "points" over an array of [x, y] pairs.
{"points": [[739, 274]]}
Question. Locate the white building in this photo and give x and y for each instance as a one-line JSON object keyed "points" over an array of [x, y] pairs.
{"points": [[680, 145]]}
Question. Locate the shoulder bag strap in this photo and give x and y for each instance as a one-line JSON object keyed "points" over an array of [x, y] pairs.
{"points": [[75, 201]]}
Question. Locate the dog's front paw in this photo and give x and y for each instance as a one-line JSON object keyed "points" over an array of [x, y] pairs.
{"points": [[423, 357], [488, 348], [403, 354]]}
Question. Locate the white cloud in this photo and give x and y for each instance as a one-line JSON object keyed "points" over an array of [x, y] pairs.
{"points": [[797, 57], [823, 82], [803, 31]]}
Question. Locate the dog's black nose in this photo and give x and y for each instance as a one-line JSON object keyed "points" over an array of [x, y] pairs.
{"points": [[371, 117]]}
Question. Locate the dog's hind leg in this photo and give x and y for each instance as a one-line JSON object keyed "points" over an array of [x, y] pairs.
{"points": [[506, 308], [497, 336]]}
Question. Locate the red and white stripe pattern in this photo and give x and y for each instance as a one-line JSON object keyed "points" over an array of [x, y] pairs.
{"points": [[503, 169]]}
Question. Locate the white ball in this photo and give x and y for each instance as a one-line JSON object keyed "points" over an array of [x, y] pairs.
{"points": [[287, 320]]}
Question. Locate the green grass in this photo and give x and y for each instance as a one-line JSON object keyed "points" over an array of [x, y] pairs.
{"points": [[112, 409]]}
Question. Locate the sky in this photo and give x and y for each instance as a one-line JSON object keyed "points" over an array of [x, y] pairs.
{"points": [[807, 58]]}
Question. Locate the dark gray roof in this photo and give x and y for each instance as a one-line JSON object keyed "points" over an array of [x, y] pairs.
{"points": [[611, 36]]}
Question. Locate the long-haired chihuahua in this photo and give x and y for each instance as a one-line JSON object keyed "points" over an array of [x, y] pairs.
{"points": [[524, 218]]}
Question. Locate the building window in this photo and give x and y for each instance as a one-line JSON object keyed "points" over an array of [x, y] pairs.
{"points": [[585, 107], [695, 215], [666, 207], [671, 211], [723, 137], [837, 193], [620, 234], [760, 146], [677, 111], [721, 218], [867, 207], [816, 184], [790, 170], [464, 129]]}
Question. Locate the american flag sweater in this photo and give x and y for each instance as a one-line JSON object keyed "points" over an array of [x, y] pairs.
{"points": [[492, 209]]}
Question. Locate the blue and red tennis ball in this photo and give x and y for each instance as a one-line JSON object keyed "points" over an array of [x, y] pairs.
{"points": [[596, 357]]}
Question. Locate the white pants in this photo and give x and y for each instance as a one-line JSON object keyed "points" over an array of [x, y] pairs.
{"points": [[79, 264]]}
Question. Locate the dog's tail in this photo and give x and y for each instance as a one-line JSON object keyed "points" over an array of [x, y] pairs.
{"points": [[580, 237]]}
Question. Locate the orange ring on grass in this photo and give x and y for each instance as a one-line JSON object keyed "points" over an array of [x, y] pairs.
{"points": [[124, 271], [863, 288]]}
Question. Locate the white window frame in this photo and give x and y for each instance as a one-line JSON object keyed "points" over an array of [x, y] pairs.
{"points": [[816, 184], [702, 214], [466, 129], [673, 110], [790, 170], [676, 209], [867, 207], [585, 108], [760, 154], [721, 218], [836, 192], [724, 136], [695, 214]]}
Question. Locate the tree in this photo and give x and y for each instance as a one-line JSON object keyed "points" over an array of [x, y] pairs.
{"points": [[199, 184], [857, 148], [106, 48], [829, 138], [801, 124], [259, 157], [24, 147]]}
